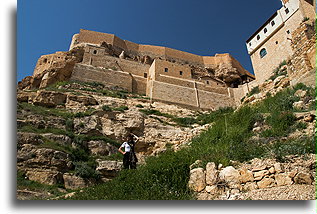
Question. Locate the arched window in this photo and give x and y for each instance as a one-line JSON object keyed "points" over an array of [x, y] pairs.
{"points": [[263, 52]]}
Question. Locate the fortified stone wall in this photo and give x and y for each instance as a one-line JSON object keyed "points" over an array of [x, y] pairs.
{"points": [[88, 73], [304, 43]]}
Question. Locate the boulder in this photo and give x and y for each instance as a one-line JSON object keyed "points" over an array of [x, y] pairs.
{"points": [[278, 167], [28, 138], [265, 183], [260, 174], [197, 179], [300, 93], [299, 105], [59, 139], [283, 179], [45, 176], [101, 148], [245, 175], [109, 169], [211, 173], [74, 182], [32, 157], [250, 186], [196, 164], [212, 189], [85, 100], [88, 125], [303, 178], [230, 176], [49, 98]]}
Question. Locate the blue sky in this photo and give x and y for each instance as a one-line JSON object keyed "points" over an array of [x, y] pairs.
{"points": [[203, 27]]}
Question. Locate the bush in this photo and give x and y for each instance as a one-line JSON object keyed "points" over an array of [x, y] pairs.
{"points": [[139, 106], [86, 170], [121, 108], [106, 108], [253, 91]]}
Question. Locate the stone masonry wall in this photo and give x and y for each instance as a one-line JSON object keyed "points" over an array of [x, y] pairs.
{"points": [[216, 182], [88, 73], [303, 61]]}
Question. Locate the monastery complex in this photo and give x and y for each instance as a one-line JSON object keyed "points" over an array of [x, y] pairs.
{"points": [[174, 76]]}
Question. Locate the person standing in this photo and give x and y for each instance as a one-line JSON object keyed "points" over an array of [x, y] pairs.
{"points": [[129, 156]]}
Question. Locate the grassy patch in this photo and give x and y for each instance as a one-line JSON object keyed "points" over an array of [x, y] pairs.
{"points": [[23, 183], [165, 177]]}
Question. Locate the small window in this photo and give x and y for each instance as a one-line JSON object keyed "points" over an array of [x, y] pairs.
{"points": [[263, 52], [273, 23], [145, 75], [288, 32], [95, 52], [181, 73], [286, 10], [258, 37], [250, 44], [207, 82], [276, 42], [166, 69], [45, 60], [265, 30]]}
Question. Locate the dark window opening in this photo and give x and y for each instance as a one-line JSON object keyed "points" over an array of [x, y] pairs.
{"points": [[145, 75], [207, 82], [263, 52], [276, 42], [272, 23], [288, 32], [166, 69], [45, 61], [265, 30], [95, 52], [250, 44], [258, 37], [286, 10], [181, 73]]}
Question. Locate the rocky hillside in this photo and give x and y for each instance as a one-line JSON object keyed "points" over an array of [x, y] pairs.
{"points": [[69, 133]]}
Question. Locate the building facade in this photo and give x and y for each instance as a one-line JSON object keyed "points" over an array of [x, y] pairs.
{"points": [[271, 44]]}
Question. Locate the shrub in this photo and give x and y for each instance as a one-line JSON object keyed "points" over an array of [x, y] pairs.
{"points": [[69, 125], [253, 91], [106, 108], [139, 106], [86, 170], [121, 108]]}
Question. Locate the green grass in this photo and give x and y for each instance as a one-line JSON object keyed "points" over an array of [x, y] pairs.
{"points": [[165, 177], [40, 110], [23, 183]]}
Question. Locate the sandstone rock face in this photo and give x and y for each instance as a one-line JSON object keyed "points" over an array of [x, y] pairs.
{"points": [[45, 176], [265, 183], [109, 169], [197, 179], [227, 73], [85, 100], [212, 189], [88, 125], [28, 138], [31, 157], [283, 179], [211, 174], [250, 186], [299, 105], [246, 175], [49, 98], [74, 182], [230, 176], [101, 148], [303, 178], [59, 139]]}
